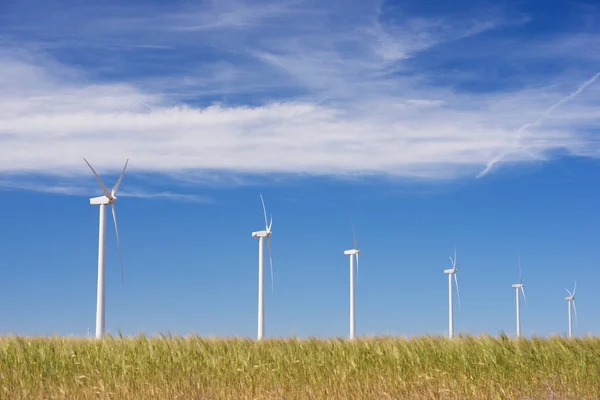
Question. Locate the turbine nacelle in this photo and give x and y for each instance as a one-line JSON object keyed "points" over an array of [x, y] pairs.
{"points": [[96, 201], [450, 271], [352, 252], [570, 298], [517, 285], [260, 234]]}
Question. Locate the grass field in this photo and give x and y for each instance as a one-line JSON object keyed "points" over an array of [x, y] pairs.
{"points": [[380, 368]]}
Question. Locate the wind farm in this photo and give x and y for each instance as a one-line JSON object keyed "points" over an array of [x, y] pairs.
{"points": [[360, 145], [253, 361]]}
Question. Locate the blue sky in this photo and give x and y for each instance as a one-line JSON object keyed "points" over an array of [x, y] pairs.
{"points": [[471, 124]]}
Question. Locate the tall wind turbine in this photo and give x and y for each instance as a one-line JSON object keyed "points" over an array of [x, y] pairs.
{"points": [[261, 235], [518, 286], [571, 301], [352, 253], [102, 201], [450, 272]]}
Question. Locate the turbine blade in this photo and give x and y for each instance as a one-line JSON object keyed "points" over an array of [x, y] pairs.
{"points": [[353, 233], [114, 213], [575, 288], [265, 212], [575, 309], [116, 187], [454, 265], [520, 271], [270, 223], [270, 261], [357, 267], [106, 192], [451, 260], [524, 297], [457, 291], [568, 292]]}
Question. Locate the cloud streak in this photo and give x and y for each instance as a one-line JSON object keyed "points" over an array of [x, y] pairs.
{"points": [[168, 195], [538, 121], [73, 187], [290, 98]]}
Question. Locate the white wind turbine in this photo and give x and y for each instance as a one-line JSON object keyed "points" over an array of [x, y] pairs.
{"points": [[352, 253], [571, 301], [102, 201], [450, 272], [261, 235], [518, 286]]}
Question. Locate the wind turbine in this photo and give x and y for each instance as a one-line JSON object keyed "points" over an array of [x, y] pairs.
{"points": [[102, 201], [352, 253], [571, 301], [261, 235], [450, 272], [518, 286]]}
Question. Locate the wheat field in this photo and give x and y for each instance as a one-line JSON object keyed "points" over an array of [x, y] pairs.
{"points": [[466, 367]]}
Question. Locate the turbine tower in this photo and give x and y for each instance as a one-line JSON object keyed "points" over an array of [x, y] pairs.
{"points": [[518, 286], [450, 272], [102, 201], [571, 301], [352, 253], [261, 235]]}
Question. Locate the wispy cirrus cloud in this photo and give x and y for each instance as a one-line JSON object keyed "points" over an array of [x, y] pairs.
{"points": [[288, 88], [77, 187], [183, 197], [539, 121]]}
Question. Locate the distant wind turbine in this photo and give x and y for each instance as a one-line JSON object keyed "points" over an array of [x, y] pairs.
{"points": [[352, 253], [571, 302], [261, 235], [102, 201], [518, 286], [450, 272]]}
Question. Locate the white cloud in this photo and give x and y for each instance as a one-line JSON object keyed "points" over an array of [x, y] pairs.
{"points": [[224, 14], [354, 108], [404, 138], [82, 188], [191, 198]]}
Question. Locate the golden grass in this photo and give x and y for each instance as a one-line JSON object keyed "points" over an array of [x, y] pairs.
{"points": [[382, 368]]}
